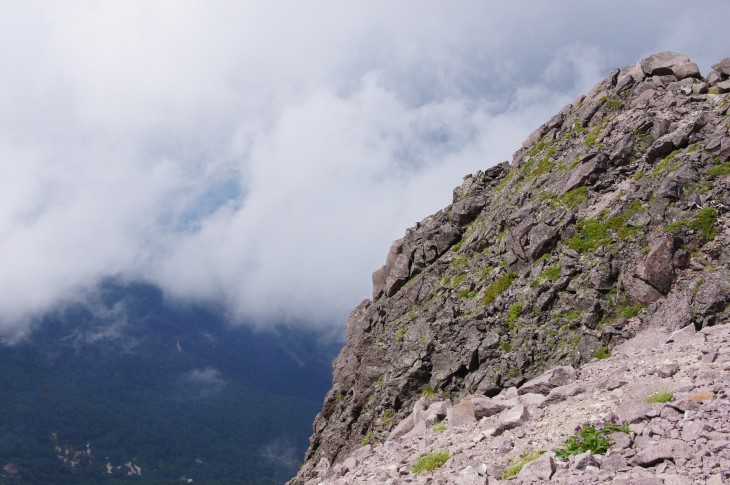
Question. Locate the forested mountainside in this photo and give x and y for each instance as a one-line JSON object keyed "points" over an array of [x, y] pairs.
{"points": [[612, 216]]}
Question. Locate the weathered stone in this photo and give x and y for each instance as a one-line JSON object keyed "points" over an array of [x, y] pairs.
{"points": [[667, 370], [638, 291], [461, 413], [644, 99], [561, 393], [723, 86], [613, 461], [687, 70], [510, 418], [558, 376], [723, 67], [483, 406], [659, 267], [579, 176], [583, 460], [539, 470], [501, 445], [664, 63], [541, 239], [666, 449], [532, 399], [470, 476]]}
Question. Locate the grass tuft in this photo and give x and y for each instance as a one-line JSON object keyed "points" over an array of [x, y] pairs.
{"points": [[497, 287], [659, 397], [429, 463]]}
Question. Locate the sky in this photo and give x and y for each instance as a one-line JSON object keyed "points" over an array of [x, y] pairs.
{"points": [[262, 155]]}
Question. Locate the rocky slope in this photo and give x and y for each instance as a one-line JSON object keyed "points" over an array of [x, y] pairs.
{"points": [[611, 218], [682, 442]]}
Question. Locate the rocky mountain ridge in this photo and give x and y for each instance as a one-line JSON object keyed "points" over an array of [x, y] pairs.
{"points": [[611, 218]]}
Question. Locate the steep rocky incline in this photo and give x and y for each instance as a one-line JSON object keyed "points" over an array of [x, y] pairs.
{"points": [[612, 217]]}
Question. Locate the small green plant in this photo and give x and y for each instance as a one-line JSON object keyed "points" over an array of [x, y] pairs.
{"points": [[570, 315], [505, 346], [459, 261], [516, 464], [602, 353], [592, 137], [631, 311], [543, 166], [595, 232], [498, 287], [429, 463], [438, 426], [665, 166], [459, 279], [593, 437], [659, 397], [387, 417], [544, 141], [513, 313], [366, 439], [573, 198], [613, 105], [401, 332], [720, 170], [551, 273], [429, 391], [340, 397], [467, 294], [704, 223]]}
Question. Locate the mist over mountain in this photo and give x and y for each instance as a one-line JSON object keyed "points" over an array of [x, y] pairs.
{"points": [[128, 378]]}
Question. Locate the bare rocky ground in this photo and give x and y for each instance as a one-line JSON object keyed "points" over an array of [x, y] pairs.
{"points": [[683, 441]]}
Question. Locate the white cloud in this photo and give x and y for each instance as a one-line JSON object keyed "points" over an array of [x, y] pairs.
{"points": [[202, 383], [263, 155]]}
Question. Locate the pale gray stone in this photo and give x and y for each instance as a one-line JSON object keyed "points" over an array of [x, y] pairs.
{"points": [[539, 470], [558, 376]]}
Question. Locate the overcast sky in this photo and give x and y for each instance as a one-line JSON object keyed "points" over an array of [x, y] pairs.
{"points": [[263, 155]]}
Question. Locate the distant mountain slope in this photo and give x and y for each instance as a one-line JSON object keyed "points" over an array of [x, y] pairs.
{"points": [[611, 216], [174, 391]]}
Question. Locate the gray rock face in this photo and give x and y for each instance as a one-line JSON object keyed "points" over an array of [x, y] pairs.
{"points": [[612, 217]]}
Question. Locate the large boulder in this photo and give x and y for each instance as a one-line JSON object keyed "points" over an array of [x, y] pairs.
{"points": [[659, 264], [668, 63], [723, 67]]}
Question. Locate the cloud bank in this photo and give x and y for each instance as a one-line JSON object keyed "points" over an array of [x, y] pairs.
{"points": [[263, 155]]}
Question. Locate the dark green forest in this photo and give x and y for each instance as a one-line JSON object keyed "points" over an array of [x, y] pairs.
{"points": [[175, 391]]}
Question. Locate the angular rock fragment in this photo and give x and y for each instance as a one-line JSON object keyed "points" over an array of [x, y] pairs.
{"points": [[558, 376]]}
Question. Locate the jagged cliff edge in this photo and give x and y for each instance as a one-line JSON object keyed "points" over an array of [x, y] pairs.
{"points": [[611, 217]]}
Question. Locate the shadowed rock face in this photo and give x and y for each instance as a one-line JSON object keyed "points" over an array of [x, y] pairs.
{"points": [[611, 216]]}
